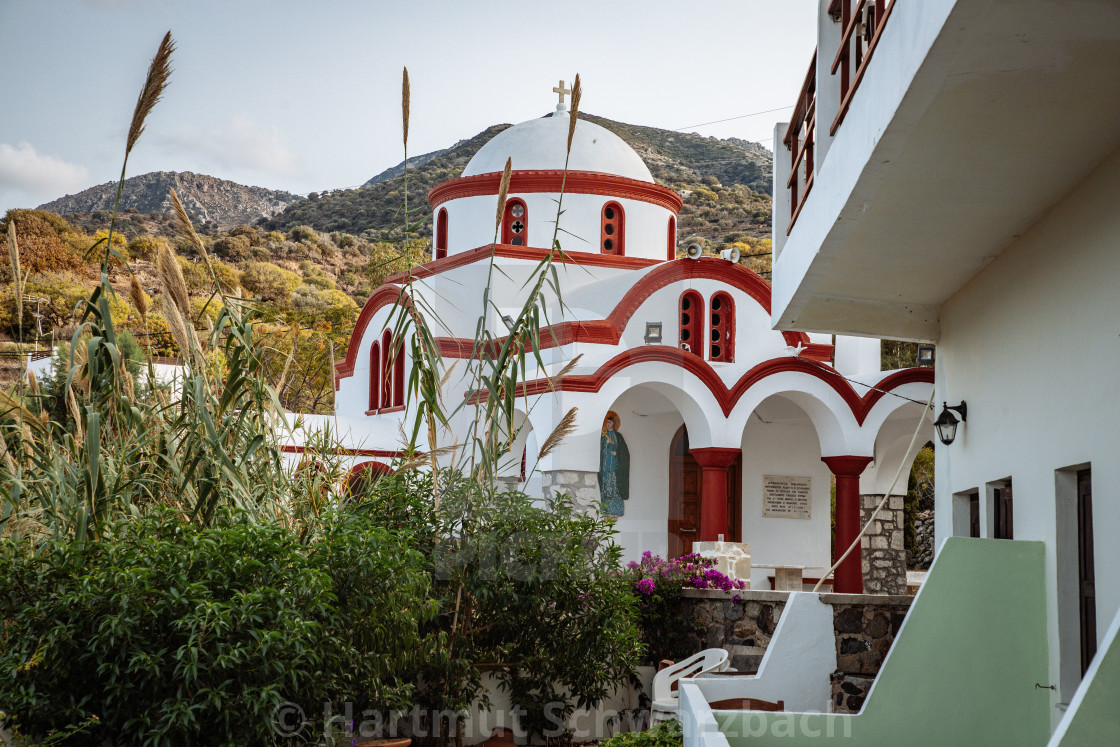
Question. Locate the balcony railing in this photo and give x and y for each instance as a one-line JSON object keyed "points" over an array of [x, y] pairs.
{"points": [[861, 24], [800, 141]]}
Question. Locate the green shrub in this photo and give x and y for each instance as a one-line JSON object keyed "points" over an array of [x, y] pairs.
{"points": [[167, 634], [666, 734]]}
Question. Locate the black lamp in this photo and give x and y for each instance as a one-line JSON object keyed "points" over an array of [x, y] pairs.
{"points": [[946, 423]]}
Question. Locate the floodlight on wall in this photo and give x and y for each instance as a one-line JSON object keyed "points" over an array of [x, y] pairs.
{"points": [[694, 251], [508, 320], [731, 255], [946, 423], [653, 333], [925, 355]]}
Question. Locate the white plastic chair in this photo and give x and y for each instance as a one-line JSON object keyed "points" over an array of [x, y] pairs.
{"points": [[665, 702]]}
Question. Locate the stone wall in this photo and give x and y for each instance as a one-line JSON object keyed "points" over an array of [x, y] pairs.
{"points": [[743, 623], [883, 546], [923, 535], [583, 487]]}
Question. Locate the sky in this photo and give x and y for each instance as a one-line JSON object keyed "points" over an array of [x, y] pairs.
{"points": [[306, 95]]}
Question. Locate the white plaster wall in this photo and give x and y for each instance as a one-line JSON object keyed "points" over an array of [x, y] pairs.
{"points": [[470, 223], [786, 446], [857, 355], [1032, 344]]}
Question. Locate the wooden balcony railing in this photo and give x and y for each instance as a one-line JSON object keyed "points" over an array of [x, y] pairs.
{"points": [[862, 22], [800, 141]]}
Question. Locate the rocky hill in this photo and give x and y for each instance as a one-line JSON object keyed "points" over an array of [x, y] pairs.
{"points": [[726, 184], [214, 203]]}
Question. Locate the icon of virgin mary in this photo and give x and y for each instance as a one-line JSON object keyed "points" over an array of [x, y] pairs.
{"points": [[614, 467]]}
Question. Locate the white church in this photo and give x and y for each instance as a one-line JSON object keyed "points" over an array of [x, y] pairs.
{"points": [[696, 420]]}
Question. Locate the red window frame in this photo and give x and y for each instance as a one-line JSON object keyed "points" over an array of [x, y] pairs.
{"points": [[375, 376], [612, 231], [398, 375], [691, 318], [509, 234], [671, 252], [441, 234], [721, 331]]}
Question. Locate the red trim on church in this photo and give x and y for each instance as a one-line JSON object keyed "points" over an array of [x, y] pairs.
{"points": [[510, 251], [554, 180], [728, 398], [600, 332]]}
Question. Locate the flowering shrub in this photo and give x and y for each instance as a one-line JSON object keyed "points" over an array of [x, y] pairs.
{"points": [[666, 632]]}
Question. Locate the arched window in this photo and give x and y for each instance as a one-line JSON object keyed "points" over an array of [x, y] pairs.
{"points": [[374, 376], [441, 234], [692, 322], [386, 368], [515, 223], [671, 252], [721, 340], [362, 477], [613, 234], [398, 374]]}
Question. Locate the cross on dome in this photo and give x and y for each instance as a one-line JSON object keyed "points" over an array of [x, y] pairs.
{"points": [[562, 91]]}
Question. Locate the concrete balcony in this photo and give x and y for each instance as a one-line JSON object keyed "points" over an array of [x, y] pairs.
{"points": [[929, 135]]}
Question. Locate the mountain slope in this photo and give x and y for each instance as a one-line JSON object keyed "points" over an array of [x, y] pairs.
{"points": [[726, 184], [217, 203]]}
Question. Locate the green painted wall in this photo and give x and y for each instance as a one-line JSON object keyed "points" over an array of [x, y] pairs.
{"points": [[1094, 716], [962, 670]]}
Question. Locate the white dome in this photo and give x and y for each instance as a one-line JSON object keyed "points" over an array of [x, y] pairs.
{"points": [[539, 144]]}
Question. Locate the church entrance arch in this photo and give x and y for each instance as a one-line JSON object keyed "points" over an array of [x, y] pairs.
{"points": [[685, 496]]}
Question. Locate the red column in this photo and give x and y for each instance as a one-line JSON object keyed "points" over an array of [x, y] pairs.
{"points": [[713, 463], [848, 578]]}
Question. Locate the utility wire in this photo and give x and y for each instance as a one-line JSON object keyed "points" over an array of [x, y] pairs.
{"points": [[730, 119]]}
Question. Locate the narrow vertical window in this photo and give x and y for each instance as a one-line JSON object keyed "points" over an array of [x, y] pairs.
{"points": [[721, 332], [386, 361], [692, 322], [374, 377], [613, 234], [398, 374], [441, 234], [515, 223], [671, 252]]}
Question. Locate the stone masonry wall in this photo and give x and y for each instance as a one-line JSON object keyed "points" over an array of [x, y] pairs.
{"points": [[883, 546], [583, 487], [743, 623]]}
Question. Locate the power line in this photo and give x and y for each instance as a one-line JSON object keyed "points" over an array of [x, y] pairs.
{"points": [[729, 119]]}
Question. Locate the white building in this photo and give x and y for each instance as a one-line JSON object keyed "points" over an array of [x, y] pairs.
{"points": [[956, 172], [679, 353]]}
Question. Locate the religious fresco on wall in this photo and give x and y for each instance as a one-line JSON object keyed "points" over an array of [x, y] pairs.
{"points": [[614, 467]]}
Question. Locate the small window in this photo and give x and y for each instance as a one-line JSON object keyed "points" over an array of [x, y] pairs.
{"points": [[721, 332], [515, 223], [386, 363], [441, 234], [613, 234], [398, 374], [671, 250], [375, 376], [692, 322]]}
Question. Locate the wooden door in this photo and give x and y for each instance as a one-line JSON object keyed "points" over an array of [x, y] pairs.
{"points": [[684, 496], [1086, 573]]}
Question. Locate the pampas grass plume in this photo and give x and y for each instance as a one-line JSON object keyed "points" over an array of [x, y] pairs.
{"points": [[406, 97], [503, 191], [577, 92], [171, 278], [154, 84], [13, 256], [139, 297]]}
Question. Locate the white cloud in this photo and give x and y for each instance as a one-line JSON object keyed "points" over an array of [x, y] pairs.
{"points": [[240, 142], [24, 170]]}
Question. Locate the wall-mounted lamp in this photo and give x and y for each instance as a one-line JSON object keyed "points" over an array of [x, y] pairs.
{"points": [[508, 321], [653, 333], [946, 423], [925, 355]]}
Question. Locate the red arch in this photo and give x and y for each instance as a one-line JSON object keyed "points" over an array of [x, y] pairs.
{"points": [[441, 234], [729, 397], [358, 471], [384, 296]]}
